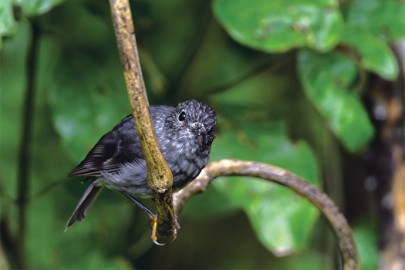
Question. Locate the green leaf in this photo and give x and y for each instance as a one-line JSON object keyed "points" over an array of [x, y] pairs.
{"points": [[327, 79], [281, 220], [37, 7], [7, 22], [277, 26], [374, 54], [381, 18], [365, 236]]}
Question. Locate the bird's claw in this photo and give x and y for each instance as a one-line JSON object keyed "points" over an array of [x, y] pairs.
{"points": [[154, 223]]}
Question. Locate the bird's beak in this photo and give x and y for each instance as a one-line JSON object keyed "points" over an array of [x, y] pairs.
{"points": [[198, 128]]}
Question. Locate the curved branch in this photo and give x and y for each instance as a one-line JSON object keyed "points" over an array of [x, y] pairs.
{"points": [[228, 167], [159, 176]]}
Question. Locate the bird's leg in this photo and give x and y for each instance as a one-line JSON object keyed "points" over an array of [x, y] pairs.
{"points": [[143, 207], [152, 216]]}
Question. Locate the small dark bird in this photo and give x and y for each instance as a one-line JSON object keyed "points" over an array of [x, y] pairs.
{"points": [[184, 133]]}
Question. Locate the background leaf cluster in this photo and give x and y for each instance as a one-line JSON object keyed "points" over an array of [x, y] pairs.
{"points": [[285, 78]]}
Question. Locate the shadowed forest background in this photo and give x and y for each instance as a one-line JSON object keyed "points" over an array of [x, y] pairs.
{"points": [[312, 86]]}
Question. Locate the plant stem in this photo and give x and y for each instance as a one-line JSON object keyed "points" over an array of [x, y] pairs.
{"points": [[24, 147]]}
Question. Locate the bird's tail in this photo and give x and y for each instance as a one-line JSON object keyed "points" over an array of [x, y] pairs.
{"points": [[86, 201]]}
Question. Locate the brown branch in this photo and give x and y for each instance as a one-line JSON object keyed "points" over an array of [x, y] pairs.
{"points": [[319, 199], [159, 176]]}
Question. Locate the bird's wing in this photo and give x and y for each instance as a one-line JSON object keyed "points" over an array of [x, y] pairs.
{"points": [[115, 148]]}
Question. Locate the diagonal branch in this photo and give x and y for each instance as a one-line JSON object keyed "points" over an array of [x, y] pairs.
{"points": [[159, 176], [228, 167]]}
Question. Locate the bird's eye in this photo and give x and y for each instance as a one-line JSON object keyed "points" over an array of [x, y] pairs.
{"points": [[182, 116]]}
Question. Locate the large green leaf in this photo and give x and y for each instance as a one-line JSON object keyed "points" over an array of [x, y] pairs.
{"points": [[373, 53], [281, 220], [277, 26], [327, 79], [381, 18], [369, 25]]}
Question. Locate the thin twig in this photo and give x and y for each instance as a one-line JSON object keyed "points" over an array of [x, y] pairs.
{"points": [[159, 176], [228, 167]]}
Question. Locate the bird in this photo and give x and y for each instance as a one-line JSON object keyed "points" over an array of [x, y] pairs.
{"points": [[184, 133]]}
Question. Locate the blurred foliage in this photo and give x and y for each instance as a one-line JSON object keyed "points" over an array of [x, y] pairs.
{"points": [[290, 220], [365, 236], [326, 78], [278, 26], [273, 71]]}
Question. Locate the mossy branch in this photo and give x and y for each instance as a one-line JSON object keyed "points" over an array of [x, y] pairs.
{"points": [[159, 176], [229, 167]]}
